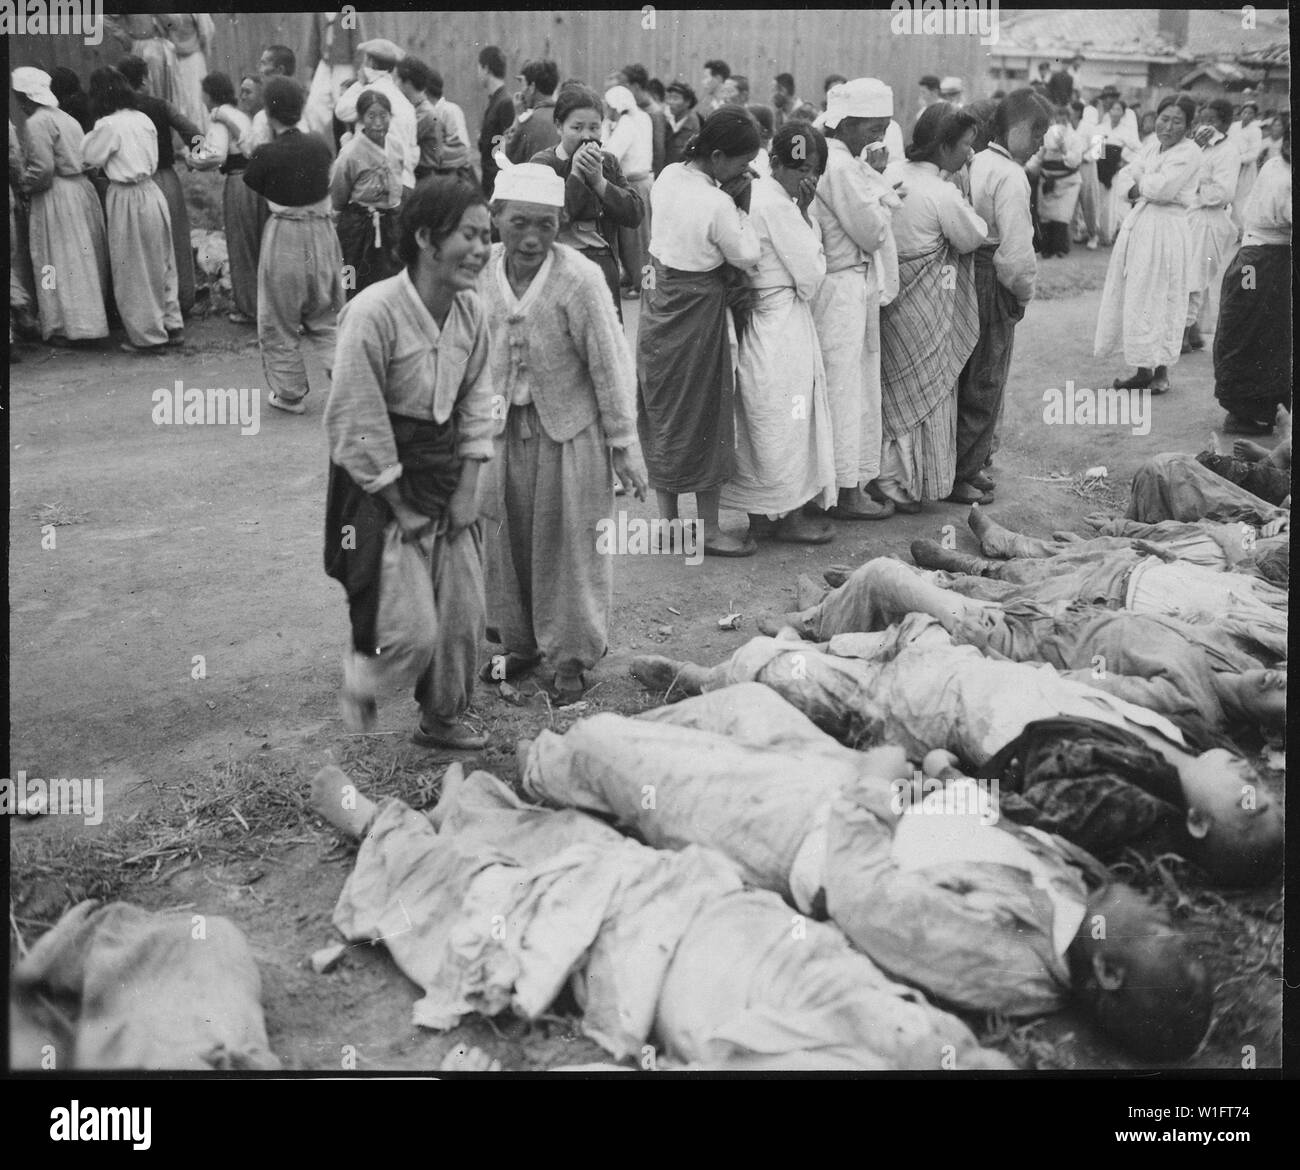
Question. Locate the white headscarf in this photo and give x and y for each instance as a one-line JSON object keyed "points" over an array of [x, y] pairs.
{"points": [[620, 99]]}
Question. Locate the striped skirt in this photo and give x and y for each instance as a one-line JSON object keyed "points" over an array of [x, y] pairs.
{"points": [[926, 335]]}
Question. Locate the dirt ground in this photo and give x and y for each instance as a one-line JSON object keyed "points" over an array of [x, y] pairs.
{"points": [[173, 542]]}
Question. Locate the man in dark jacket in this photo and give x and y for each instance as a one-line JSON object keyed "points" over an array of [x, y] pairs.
{"points": [[683, 123], [498, 116], [534, 126]]}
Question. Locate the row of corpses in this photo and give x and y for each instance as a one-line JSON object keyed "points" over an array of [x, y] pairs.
{"points": [[895, 809]]}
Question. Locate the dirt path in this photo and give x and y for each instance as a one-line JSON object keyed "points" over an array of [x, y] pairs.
{"points": [[174, 542]]}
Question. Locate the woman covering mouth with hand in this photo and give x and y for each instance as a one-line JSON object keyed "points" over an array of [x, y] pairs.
{"points": [[410, 421]]}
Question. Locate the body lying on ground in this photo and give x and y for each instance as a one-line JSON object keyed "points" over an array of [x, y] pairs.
{"points": [[1245, 607], [1108, 772], [944, 895], [1194, 673], [1175, 486], [152, 991], [491, 903], [1264, 551]]}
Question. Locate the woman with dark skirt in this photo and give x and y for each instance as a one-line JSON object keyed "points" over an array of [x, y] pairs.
{"points": [[365, 189], [700, 236], [1252, 344], [411, 420], [598, 200]]}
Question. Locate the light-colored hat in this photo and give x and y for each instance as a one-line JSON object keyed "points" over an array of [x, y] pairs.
{"points": [[863, 97], [620, 98], [35, 84], [530, 183], [951, 85], [382, 48]]}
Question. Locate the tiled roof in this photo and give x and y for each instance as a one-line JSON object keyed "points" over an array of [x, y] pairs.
{"points": [[1271, 56], [1135, 32]]}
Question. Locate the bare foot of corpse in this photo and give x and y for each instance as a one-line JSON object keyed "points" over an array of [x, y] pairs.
{"points": [[1247, 451], [335, 798], [657, 673]]}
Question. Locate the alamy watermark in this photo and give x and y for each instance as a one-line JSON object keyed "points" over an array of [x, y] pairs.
{"points": [[77, 18], [945, 18], [215, 406], [933, 797], [32, 797], [641, 537], [1107, 407]]}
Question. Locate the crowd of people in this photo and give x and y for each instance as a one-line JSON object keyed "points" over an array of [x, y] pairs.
{"points": [[827, 316]]}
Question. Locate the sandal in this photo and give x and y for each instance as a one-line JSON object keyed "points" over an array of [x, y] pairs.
{"points": [[965, 493], [748, 549], [823, 536], [456, 737], [883, 511], [562, 696]]}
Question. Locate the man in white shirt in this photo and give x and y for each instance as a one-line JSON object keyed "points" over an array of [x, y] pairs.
{"points": [[449, 113], [275, 61], [715, 73], [379, 60]]}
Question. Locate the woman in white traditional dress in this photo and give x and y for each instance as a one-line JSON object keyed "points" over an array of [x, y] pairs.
{"points": [[784, 453], [1120, 146], [930, 328], [1144, 304], [1247, 135], [1087, 216], [1214, 235], [191, 34], [145, 286], [1152, 267], [66, 231], [1060, 183]]}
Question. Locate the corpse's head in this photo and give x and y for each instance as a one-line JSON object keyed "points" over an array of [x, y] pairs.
{"points": [[1235, 828], [1135, 974], [1261, 696]]}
